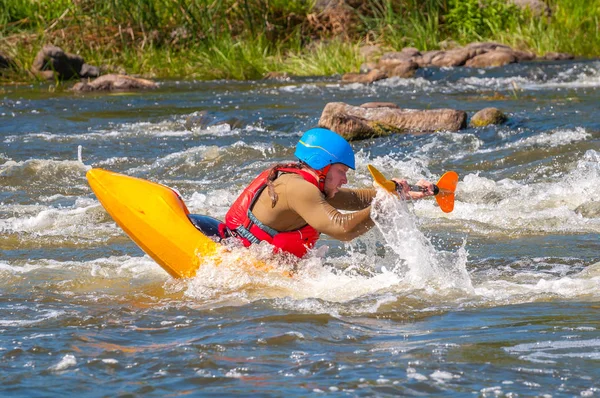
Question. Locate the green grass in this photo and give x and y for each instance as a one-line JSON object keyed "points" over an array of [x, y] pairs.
{"points": [[245, 39]]}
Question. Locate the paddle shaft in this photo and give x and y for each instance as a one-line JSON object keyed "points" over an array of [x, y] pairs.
{"points": [[416, 188]]}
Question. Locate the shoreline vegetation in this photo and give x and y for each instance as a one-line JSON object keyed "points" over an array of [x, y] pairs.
{"points": [[249, 39]]}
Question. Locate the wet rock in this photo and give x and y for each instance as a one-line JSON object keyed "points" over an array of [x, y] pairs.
{"points": [[115, 82], [202, 120], [552, 56], [589, 209], [398, 68], [488, 116], [356, 122], [368, 78], [492, 59], [197, 121], [51, 62], [537, 7]]}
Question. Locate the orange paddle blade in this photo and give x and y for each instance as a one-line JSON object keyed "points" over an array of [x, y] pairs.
{"points": [[383, 182], [447, 185]]}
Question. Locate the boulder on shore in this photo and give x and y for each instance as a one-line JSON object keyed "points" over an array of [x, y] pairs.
{"points": [[488, 116], [52, 62], [361, 122], [492, 59], [115, 82], [406, 62]]}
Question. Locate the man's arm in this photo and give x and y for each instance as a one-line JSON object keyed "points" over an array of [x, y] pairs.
{"points": [[353, 199], [310, 204]]}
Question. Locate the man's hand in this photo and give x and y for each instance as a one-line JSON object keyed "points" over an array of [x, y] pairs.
{"points": [[425, 189]]}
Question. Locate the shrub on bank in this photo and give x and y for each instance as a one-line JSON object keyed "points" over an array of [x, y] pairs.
{"points": [[244, 39]]}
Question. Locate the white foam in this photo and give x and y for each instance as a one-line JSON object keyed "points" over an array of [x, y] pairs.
{"points": [[66, 362], [553, 351], [82, 220], [577, 76], [113, 267], [423, 266], [549, 206], [28, 171], [43, 317]]}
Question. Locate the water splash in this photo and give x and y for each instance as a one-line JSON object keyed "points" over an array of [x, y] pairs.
{"points": [[80, 158], [421, 264]]}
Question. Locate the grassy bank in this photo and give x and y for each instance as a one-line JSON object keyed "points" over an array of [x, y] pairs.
{"points": [[244, 39]]}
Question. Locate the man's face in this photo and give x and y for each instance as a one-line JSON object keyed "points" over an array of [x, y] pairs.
{"points": [[336, 177]]}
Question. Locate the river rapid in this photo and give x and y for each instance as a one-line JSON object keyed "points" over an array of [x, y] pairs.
{"points": [[498, 298]]}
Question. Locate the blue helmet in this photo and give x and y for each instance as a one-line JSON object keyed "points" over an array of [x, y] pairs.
{"points": [[321, 147]]}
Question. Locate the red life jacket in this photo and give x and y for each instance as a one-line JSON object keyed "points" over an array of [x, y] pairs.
{"points": [[240, 220]]}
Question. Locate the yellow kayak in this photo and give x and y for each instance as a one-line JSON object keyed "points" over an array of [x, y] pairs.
{"points": [[156, 218]]}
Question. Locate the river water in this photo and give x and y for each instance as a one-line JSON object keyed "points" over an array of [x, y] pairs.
{"points": [[498, 298]]}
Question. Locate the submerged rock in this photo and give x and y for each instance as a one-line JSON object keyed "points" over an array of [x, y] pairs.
{"points": [[488, 116], [52, 62], [115, 82], [361, 122]]}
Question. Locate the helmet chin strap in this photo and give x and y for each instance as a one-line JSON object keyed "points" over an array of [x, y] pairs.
{"points": [[322, 175]]}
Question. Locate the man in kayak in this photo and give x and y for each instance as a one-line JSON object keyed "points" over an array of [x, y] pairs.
{"points": [[290, 205]]}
